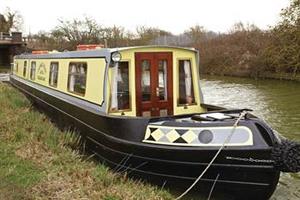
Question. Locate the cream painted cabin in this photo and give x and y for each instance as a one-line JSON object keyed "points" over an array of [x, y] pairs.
{"points": [[131, 81]]}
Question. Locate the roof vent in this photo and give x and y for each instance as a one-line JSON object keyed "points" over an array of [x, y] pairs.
{"points": [[40, 52], [83, 47]]}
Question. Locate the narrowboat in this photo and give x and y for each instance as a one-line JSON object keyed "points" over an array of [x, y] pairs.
{"points": [[140, 110]]}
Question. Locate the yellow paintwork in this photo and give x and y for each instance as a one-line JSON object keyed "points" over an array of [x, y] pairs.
{"points": [[178, 54], [95, 76]]}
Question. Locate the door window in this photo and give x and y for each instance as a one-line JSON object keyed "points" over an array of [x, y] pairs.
{"points": [[162, 80], [145, 80]]}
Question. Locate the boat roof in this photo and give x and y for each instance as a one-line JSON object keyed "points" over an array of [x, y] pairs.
{"points": [[97, 53], [152, 46]]}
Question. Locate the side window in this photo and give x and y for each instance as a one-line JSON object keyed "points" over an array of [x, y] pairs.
{"points": [[53, 75], [32, 70], [120, 95], [77, 78], [186, 89], [24, 68]]}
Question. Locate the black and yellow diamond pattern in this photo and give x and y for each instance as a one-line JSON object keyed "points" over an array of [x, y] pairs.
{"points": [[171, 135]]}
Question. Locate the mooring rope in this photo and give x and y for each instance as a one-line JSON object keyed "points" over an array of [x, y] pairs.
{"points": [[213, 187], [228, 138]]}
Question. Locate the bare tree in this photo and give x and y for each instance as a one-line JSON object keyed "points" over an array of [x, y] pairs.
{"points": [[146, 35], [196, 34], [77, 31], [10, 21]]}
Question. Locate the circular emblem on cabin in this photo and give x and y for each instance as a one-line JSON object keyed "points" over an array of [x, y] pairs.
{"points": [[205, 136], [42, 72], [42, 69]]}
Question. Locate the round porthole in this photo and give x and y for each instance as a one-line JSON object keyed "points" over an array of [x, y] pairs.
{"points": [[205, 136]]}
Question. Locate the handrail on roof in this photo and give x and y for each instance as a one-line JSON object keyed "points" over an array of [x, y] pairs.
{"points": [[95, 53]]}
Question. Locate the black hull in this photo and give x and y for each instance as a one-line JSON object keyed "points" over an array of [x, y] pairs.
{"points": [[117, 142]]}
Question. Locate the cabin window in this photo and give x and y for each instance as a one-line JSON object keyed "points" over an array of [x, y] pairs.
{"points": [[77, 78], [120, 95], [186, 89], [53, 76], [24, 68], [32, 70]]}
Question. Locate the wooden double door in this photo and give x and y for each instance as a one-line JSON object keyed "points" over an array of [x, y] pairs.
{"points": [[154, 84]]}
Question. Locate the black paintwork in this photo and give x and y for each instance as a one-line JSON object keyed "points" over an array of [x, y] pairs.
{"points": [[117, 142]]}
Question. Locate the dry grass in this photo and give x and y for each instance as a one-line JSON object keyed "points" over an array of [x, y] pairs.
{"points": [[37, 163]]}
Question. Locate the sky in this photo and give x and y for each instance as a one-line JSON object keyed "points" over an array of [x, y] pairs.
{"points": [[175, 16]]}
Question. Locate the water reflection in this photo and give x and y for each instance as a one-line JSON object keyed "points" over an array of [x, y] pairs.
{"points": [[277, 102]]}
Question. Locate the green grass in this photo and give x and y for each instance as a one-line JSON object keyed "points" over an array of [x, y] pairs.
{"points": [[16, 174], [15, 170], [36, 161]]}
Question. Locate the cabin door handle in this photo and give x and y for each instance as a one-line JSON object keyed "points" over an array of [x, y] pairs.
{"points": [[157, 91]]}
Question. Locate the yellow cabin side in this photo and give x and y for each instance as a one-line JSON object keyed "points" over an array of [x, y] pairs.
{"points": [[94, 79], [101, 78]]}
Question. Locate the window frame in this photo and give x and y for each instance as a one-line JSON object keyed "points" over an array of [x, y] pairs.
{"points": [[25, 68], [69, 75], [52, 71], [129, 88], [31, 74], [192, 77]]}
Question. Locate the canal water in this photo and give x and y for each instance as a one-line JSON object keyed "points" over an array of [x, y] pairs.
{"points": [[275, 101]]}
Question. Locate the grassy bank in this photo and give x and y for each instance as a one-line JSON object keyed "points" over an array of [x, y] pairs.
{"points": [[37, 163]]}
